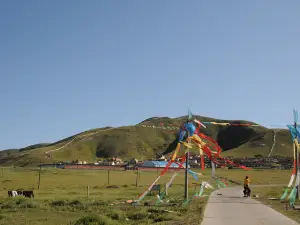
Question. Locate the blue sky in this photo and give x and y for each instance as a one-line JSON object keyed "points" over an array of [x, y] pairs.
{"points": [[68, 66]]}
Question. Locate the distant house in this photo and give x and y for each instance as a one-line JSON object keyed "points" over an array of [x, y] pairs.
{"points": [[117, 160], [162, 158], [158, 164], [108, 163], [133, 161]]}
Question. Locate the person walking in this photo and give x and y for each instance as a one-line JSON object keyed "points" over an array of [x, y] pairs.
{"points": [[247, 190]]}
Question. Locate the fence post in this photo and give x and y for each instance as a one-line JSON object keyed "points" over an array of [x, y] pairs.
{"points": [[39, 177], [88, 191], [137, 177]]}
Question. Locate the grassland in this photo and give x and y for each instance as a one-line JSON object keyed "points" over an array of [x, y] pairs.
{"points": [[62, 197]]}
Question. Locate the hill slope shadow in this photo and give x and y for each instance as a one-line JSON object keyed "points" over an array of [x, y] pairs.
{"points": [[232, 137]]}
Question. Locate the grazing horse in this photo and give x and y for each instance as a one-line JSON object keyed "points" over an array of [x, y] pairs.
{"points": [[27, 194], [12, 193]]}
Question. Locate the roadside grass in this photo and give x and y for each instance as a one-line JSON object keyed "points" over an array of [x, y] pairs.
{"points": [[63, 198], [266, 192], [257, 176]]}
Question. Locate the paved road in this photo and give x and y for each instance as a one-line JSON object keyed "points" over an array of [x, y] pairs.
{"points": [[231, 208]]}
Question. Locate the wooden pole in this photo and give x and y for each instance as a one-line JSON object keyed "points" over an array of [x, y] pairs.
{"points": [[137, 177], [166, 190], [297, 159], [39, 181], [297, 167], [186, 185]]}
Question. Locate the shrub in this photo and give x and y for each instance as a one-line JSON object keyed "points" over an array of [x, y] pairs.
{"points": [[116, 215], [72, 205], [161, 218], [29, 204], [98, 203], [138, 216], [58, 203], [19, 203], [75, 202], [93, 220]]}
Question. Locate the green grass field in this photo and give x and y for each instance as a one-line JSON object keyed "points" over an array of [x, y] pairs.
{"points": [[63, 198]]}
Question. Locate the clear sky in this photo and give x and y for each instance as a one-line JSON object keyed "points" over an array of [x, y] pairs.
{"points": [[71, 65]]}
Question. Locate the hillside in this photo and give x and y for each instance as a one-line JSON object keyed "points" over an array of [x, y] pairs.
{"points": [[142, 141]]}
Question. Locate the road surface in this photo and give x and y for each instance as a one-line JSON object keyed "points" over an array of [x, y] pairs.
{"points": [[231, 208]]}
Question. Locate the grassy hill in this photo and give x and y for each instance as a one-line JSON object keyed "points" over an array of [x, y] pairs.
{"points": [[142, 141]]}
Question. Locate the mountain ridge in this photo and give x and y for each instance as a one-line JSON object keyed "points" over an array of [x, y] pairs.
{"points": [[142, 141]]}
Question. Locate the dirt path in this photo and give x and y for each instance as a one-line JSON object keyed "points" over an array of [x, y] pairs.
{"points": [[231, 208]]}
